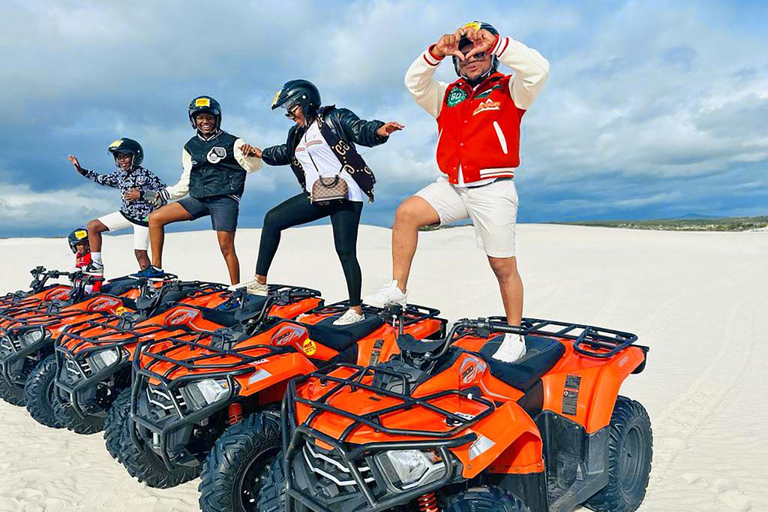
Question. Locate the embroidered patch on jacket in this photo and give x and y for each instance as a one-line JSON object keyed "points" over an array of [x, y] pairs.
{"points": [[215, 155], [487, 105], [455, 96]]}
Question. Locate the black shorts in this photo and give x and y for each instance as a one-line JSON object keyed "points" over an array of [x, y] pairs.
{"points": [[223, 210]]}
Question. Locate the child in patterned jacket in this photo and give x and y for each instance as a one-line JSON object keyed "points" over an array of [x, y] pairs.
{"points": [[139, 188]]}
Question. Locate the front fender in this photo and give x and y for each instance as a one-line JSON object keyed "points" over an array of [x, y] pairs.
{"points": [[508, 441], [273, 370]]}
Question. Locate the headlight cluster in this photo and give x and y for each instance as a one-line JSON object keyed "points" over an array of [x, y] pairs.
{"points": [[33, 336], [104, 359], [406, 469], [205, 392]]}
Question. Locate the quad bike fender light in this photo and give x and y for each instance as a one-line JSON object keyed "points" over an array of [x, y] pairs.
{"points": [[480, 446], [104, 358], [406, 469], [33, 336], [259, 376], [205, 392]]}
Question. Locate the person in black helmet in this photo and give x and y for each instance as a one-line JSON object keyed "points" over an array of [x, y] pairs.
{"points": [[478, 118], [321, 144], [139, 188], [215, 165]]}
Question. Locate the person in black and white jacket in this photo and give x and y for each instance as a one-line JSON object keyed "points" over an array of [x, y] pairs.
{"points": [[140, 189], [215, 164]]}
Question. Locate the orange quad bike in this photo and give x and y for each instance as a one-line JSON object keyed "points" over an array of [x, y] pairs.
{"points": [[27, 333], [39, 290], [156, 296], [446, 427], [93, 358], [210, 403]]}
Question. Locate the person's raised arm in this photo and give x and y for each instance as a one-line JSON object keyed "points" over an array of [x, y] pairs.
{"points": [[107, 180], [366, 133], [420, 77], [531, 69]]}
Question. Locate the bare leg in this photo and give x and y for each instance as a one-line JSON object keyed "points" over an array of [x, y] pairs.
{"points": [[412, 214], [227, 246], [95, 229], [511, 286], [142, 258], [168, 214]]}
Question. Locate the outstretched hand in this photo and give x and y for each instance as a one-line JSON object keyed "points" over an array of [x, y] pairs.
{"points": [[389, 128], [74, 161], [249, 150]]}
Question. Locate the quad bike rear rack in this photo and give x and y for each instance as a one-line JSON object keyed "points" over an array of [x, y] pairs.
{"points": [[588, 340]]}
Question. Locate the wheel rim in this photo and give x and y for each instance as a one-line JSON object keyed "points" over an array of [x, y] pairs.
{"points": [[251, 479], [631, 461]]}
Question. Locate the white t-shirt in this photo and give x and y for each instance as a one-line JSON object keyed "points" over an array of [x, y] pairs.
{"points": [[323, 162]]}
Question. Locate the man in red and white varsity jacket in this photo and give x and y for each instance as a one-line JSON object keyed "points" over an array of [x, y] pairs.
{"points": [[478, 149]]}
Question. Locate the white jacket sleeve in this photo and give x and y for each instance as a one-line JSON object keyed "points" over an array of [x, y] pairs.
{"points": [[531, 70], [421, 83], [249, 163], [181, 188]]}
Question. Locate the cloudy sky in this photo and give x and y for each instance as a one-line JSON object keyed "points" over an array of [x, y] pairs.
{"points": [[652, 109]]}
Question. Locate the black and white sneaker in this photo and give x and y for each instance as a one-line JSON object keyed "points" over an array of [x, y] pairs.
{"points": [[94, 269]]}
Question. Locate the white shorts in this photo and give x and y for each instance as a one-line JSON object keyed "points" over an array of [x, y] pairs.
{"points": [[492, 208], [116, 222]]}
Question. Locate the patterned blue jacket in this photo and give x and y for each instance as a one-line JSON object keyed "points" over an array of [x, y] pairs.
{"points": [[139, 178]]}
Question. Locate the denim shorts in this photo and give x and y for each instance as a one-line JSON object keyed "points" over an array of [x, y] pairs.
{"points": [[223, 210]]}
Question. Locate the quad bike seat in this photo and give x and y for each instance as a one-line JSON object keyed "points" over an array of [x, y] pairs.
{"points": [[541, 355], [341, 337], [118, 286]]}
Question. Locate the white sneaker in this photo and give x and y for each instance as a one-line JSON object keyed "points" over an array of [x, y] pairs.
{"points": [[349, 318], [511, 349], [389, 294], [252, 287]]}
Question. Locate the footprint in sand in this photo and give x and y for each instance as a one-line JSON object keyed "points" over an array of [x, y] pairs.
{"points": [[726, 491]]}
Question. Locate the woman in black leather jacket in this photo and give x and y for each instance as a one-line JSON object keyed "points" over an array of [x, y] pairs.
{"points": [[321, 145]]}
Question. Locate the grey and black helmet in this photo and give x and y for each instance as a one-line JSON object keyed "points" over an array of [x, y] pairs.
{"points": [[126, 145], [478, 25], [204, 105], [298, 92]]}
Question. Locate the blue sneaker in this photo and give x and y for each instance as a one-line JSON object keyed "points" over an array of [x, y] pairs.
{"points": [[150, 272]]}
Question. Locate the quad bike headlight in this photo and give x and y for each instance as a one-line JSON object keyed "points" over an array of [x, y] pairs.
{"points": [[407, 469], [205, 392], [104, 359], [33, 336]]}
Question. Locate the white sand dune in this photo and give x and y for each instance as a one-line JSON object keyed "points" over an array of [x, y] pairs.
{"points": [[699, 300]]}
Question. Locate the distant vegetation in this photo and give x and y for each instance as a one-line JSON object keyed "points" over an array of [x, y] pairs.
{"points": [[685, 224]]}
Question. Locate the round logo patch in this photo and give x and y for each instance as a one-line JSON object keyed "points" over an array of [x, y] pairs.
{"points": [[309, 347], [121, 310], [455, 96], [215, 155]]}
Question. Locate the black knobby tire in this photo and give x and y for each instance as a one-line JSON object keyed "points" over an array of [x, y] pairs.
{"points": [[114, 424], [272, 493], [39, 392], [11, 392], [233, 471], [485, 499], [71, 420], [629, 459], [147, 466]]}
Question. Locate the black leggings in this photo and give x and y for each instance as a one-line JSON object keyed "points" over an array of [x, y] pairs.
{"points": [[345, 218]]}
